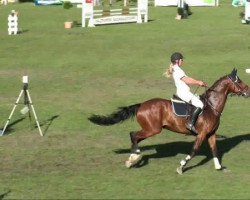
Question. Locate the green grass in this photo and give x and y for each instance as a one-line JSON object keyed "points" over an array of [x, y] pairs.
{"points": [[74, 73]]}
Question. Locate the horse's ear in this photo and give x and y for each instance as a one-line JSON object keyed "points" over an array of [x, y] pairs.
{"points": [[233, 74], [235, 71]]}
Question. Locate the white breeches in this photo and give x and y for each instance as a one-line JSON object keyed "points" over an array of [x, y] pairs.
{"points": [[191, 98], [197, 102]]}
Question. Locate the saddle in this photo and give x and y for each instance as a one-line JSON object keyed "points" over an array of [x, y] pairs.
{"points": [[181, 108]]}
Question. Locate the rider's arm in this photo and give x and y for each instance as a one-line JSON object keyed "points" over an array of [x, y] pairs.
{"points": [[191, 81]]}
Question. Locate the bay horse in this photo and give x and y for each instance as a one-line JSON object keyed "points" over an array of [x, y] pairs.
{"points": [[155, 114]]}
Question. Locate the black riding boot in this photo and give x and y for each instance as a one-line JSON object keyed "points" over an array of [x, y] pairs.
{"points": [[190, 125]]}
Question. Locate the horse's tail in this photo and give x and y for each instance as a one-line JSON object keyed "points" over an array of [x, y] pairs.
{"points": [[121, 115]]}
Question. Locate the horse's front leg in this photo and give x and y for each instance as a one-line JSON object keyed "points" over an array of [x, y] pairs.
{"points": [[199, 139], [213, 147]]}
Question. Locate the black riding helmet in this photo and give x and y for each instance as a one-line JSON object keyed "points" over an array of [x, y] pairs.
{"points": [[176, 56]]}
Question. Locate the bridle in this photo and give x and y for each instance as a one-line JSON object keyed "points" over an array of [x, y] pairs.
{"points": [[241, 91]]}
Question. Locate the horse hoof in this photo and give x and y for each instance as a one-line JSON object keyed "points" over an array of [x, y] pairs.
{"points": [[179, 170], [224, 169], [132, 160], [128, 164]]}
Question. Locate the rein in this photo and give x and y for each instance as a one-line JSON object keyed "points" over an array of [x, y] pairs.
{"points": [[217, 112], [241, 91]]}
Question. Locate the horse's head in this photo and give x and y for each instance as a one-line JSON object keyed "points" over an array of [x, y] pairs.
{"points": [[237, 86]]}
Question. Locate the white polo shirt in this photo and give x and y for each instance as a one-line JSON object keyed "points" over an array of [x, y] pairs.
{"points": [[183, 90]]}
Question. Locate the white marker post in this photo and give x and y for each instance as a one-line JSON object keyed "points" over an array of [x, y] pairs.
{"points": [[247, 11], [12, 23], [87, 12]]}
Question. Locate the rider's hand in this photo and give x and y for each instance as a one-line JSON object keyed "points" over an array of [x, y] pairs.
{"points": [[202, 84]]}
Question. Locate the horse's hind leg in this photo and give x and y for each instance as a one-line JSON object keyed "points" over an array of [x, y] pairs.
{"points": [[137, 137], [134, 146], [135, 156]]}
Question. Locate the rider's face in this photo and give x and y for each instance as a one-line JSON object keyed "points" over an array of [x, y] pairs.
{"points": [[180, 62]]}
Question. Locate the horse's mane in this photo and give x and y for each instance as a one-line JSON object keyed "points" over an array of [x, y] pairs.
{"points": [[217, 82], [212, 88]]}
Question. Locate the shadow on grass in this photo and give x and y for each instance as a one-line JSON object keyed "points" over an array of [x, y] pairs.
{"points": [[23, 31], [47, 123], [4, 195], [9, 128], [173, 148]]}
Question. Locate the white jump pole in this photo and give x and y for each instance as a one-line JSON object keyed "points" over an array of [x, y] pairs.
{"points": [[88, 14], [142, 6]]}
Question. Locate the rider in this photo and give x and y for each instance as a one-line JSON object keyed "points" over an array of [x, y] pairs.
{"points": [[182, 82]]}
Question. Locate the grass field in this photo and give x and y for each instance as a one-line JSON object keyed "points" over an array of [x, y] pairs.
{"points": [[75, 73]]}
